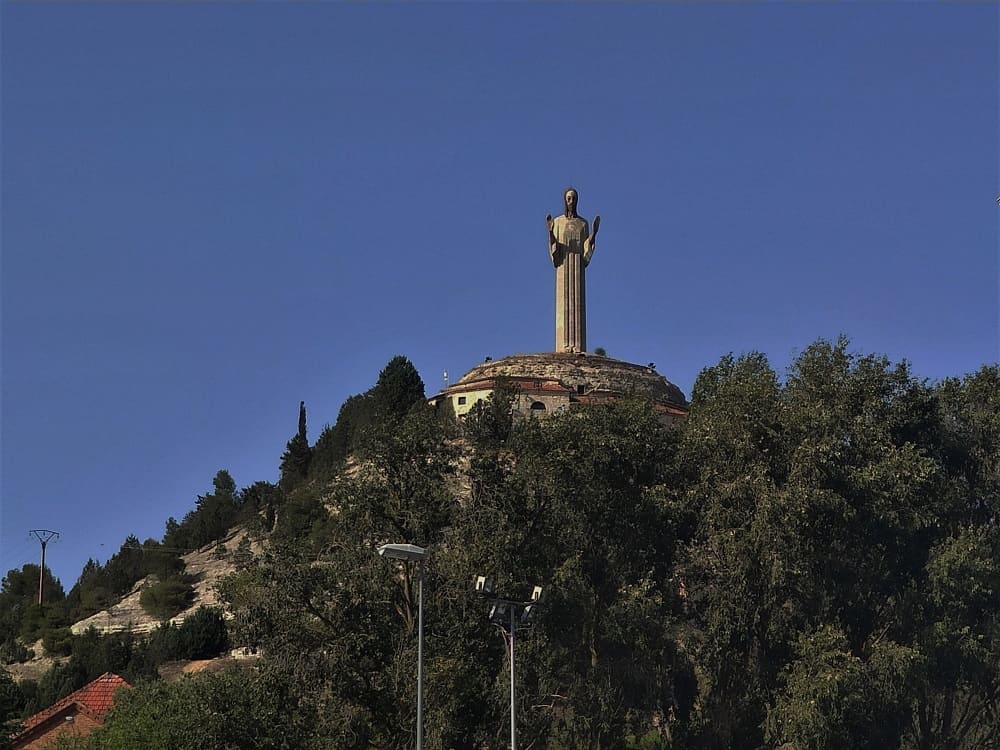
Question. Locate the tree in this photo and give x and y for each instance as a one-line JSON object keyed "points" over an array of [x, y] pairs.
{"points": [[833, 501], [236, 709], [20, 615], [11, 705], [125, 567], [957, 634], [213, 516], [336, 442], [729, 460], [400, 488], [203, 634], [490, 422], [398, 389], [259, 504], [91, 592], [834, 699], [295, 460]]}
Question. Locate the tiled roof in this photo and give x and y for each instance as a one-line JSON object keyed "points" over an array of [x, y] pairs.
{"points": [[552, 385], [94, 698], [524, 384]]}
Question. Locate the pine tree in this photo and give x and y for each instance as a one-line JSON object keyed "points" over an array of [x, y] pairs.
{"points": [[398, 388]]}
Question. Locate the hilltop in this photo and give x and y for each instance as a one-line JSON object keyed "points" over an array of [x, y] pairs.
{"points": [[806, 560]]}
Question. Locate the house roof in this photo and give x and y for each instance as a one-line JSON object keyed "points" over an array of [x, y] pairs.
{"points": [[95, 699], [526, 384]]}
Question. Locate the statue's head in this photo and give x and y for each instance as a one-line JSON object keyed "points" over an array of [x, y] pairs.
{"points": [[570, 197]]}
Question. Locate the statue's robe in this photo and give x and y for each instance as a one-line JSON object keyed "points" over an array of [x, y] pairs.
{"points": [[571, 253]]}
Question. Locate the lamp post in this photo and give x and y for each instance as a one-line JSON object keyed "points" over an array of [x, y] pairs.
{"points": [[408, 553], [509, 615]]}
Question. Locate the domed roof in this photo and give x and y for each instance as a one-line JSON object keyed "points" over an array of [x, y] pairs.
{"points": [[592, 372]]}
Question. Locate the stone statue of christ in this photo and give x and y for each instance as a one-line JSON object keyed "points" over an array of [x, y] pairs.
{"points": [[571, 246]]}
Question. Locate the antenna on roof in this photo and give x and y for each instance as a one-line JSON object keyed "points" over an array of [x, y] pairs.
{"points": [[445, 378]]}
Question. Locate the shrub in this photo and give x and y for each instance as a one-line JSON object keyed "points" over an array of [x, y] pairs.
{"points": [[164, 645], [58, 641], [203, 635], [12, 651], [167, 598]]}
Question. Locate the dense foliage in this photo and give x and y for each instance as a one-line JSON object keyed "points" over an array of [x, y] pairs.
{"points": [[213, 515], [258, 709], [11, 707], [22, 620], [807, 562]]}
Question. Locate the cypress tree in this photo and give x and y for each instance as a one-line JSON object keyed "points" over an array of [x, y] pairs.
{"points": [[295, 460]]}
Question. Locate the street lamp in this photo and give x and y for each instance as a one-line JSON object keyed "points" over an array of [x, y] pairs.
{"points": [[413, 553], [509, 615]]}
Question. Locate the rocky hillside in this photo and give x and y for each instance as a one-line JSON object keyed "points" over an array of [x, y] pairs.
{"points": [[206, 565]]}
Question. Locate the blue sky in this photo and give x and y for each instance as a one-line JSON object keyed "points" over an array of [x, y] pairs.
{"points": [[211, 211]]}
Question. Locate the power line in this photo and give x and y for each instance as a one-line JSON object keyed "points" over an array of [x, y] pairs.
{"points": [[159, 549]]}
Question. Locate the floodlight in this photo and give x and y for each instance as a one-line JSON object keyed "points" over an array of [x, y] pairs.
{"points": [[402, 552], [483, 585], [498, 613], [526, 614]]}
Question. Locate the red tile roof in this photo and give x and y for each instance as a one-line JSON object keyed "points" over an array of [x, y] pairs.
{"points": [[524, 384], [94, 698]]}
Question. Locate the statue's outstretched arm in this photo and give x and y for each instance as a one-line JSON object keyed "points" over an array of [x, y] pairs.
{"points": [[590, 243], [553, 242]]}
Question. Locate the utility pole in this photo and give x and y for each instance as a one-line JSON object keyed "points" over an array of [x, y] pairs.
{"points": [[513, 710], [43, 536]]}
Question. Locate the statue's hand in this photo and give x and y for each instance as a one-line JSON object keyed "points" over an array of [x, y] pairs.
{"points": [[548, 221], [597, 225]]}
